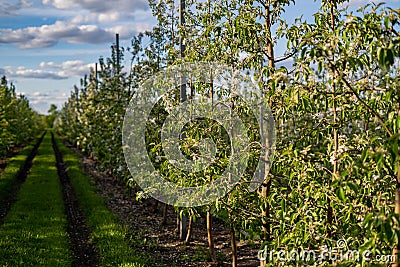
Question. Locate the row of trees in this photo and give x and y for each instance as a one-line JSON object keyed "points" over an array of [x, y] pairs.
{"points": [[18, 121], [335, 173]]}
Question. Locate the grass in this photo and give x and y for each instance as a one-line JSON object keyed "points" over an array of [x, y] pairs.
{"points": [[201, 254], [108, 236], [7, 178], [33, 232]]}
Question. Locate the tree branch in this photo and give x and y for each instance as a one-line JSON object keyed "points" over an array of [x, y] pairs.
{"points": [[367, 106], [285, 57]]}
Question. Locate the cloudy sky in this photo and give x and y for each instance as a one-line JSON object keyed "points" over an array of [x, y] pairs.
{"points": [[46, 46]]}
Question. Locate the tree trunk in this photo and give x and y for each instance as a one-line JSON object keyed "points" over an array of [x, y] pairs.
{"points": [[189, 230], [335, 172], [266, 227], [210, 237], [182, 223], [396, 249], [265, 187], [182, 227], [233, 246]]}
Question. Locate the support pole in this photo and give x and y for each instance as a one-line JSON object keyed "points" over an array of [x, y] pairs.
{"points": [[95, 76], [117, 51], [182, 223]]}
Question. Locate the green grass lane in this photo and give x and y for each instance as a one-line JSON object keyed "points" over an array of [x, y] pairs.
{"points": [[108, 235], [7, 178], [33, 233]]}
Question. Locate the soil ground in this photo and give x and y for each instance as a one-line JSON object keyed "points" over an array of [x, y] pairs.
{"points": [[146, 227], [84, 251]]}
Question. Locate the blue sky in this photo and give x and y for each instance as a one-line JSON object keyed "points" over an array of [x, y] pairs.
{"points": [[46, 46]]}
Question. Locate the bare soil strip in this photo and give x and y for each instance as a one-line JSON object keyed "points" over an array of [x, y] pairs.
{"points": [[20, 178], [84, 251]]}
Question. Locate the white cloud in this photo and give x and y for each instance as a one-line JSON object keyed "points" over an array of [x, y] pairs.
{"points": [[360, 3], [128, 30], [42, 106], [49, 35], [100, 6], [10, 7], [51, 70], [45, 23], [100, 11], [49, 64], [73, 68], [36, 74], [41, 101], [39, 94], [79, 21], [110, 17]]}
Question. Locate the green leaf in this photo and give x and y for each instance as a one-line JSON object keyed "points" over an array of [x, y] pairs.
{"points": [[389, 60], [303, 51], [353, 187], [381, 56], [364, 155], [388, 230], [386, 22], [340, 194], [397, 124], [368, 244], [367, 218], [283, 205]]}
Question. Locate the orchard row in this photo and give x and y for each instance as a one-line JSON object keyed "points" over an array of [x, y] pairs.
{"points": [[18, 121], [335, 98]]}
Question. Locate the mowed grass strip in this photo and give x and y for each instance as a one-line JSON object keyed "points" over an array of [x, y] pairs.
{"points": [[33, 232], [108, 235], [8, 177]]}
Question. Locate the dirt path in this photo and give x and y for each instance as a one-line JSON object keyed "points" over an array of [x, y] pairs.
{"points": [[84, 251], [19, 180], [155, 237], [144, 222]]}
